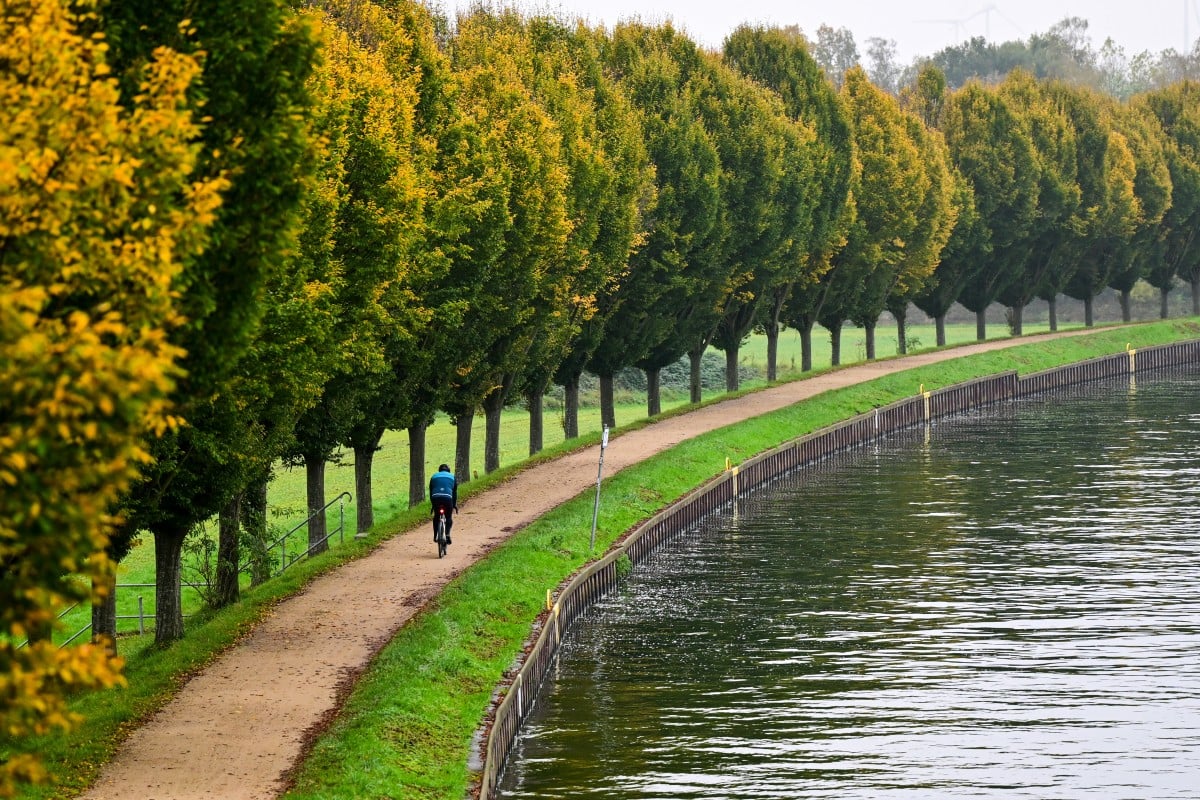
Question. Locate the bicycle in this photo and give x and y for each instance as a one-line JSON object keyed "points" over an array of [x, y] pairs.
{"points": [[440, 535]]}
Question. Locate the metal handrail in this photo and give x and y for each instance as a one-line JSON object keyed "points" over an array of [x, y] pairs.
{"points": [[284, 562], [140, 616], [76, 635], [62, 614]]}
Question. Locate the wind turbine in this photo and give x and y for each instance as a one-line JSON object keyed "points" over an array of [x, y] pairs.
{"points": [[960, 23]]}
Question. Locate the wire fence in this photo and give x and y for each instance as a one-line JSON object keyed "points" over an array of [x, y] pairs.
{"points": [[277, 556]]}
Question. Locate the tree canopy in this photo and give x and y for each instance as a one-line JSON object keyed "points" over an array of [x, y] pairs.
{"points": [[251, 92]]}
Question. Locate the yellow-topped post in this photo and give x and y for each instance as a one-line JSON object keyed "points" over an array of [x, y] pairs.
{"points": [[733, 477]]}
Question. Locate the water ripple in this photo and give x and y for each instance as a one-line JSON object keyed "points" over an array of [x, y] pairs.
{"points": [[1007, 612]]}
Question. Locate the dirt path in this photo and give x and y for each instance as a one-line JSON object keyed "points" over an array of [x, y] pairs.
{"points": [[237, 727]]}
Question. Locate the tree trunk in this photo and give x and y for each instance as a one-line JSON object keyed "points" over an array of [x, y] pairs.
{"points": [[835, 345], [940, 324], [40, 631], [1018, 320], [869, 331], [168, 603], [364, 494], [229, 531], [806, 348], [772, 351], [254, 523], [1196, 295], [462, 448], [981, 324], [653, 392], [608, 413], [901, 334], [416, 463], [493, 408], [104, 610], [1126, 307], [1053, 304], [491, 440], [571, 408], [537, 422], [695, 384], [731, 369], [1165, 308], [318, 531], [778, 299], [1087, 312]]}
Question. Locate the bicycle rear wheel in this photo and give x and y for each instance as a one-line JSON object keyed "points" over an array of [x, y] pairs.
{"points": [[441, 536]]}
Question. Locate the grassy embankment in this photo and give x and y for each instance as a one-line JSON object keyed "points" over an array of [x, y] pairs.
{"points": [[407, 728]]}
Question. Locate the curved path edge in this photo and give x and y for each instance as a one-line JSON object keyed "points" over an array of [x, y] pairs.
{"points": [[237, 728]]}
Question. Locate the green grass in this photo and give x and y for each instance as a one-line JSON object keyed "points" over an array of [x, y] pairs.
{"points": [[407, 726]]}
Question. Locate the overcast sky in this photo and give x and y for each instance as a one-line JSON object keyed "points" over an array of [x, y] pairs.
{"points": [[919, 27]]}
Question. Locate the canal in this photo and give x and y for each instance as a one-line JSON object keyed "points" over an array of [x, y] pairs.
{"points": [[1005, 606]]}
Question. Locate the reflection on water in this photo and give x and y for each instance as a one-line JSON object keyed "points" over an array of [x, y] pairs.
{"points": [[1007, 611]]}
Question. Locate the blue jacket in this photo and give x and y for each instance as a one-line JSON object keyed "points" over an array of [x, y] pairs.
{"points": [[443, 488]]}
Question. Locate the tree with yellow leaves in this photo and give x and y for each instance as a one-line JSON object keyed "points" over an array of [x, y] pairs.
{"points": [[97, 211]]}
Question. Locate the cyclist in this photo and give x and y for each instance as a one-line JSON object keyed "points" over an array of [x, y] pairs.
{"points": [[443, 494]]}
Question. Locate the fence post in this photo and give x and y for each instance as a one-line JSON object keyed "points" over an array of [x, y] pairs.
{"points": [[733, 473], [141, 617], [599, 475]]}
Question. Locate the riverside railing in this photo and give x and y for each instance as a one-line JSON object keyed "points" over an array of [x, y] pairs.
{"points": [[599, 578]]}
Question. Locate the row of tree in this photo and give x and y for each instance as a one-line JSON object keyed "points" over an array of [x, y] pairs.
{"points": [[226, 245]]}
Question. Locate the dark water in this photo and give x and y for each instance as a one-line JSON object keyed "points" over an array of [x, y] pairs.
{"points": [[1010, 609]]}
